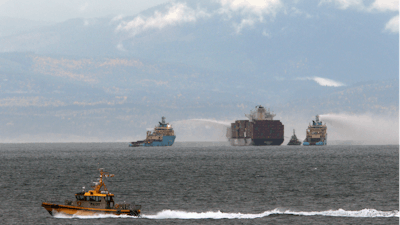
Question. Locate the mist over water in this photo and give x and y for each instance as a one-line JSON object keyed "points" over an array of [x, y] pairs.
{"points": [[363, 129]]}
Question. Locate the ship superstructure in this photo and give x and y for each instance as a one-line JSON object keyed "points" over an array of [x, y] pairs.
{"points": [[260, 129], [163, 135], [316, 133]]}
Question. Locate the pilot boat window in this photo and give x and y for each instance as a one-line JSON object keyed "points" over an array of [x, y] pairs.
{"points": [[80, 197], [87, 198]]}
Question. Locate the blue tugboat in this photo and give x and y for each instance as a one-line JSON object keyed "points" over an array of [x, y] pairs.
{"points": [[163, 135], [316, 133]]}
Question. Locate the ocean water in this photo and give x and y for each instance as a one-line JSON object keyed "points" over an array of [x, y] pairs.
{"points": [[206, 183]]}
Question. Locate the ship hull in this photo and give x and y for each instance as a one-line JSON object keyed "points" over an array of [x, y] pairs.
{"points": [[240, 141], [314, 143], [266, 141], [256, 142], [166, 141], [83, 211]]}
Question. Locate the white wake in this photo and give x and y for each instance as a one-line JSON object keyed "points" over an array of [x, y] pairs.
{"points": [[174, 214]]}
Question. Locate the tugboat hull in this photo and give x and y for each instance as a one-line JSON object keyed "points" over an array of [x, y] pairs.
{"points": [[294, 143], [83, 211], [166, 141]]}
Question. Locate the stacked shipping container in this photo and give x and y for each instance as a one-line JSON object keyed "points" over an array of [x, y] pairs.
{"points": [[261, 132]]}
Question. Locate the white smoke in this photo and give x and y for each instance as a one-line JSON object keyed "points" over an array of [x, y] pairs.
{"points": [[172, 214], [363, 129]]}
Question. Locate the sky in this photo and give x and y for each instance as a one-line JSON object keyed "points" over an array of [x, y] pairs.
{"points": [[58, 10]]}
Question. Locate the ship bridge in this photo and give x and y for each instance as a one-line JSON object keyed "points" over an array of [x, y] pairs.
{"points": [[260, 113]]}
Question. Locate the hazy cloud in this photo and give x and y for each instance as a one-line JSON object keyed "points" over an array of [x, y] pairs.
{"points": [[83, 7], [177, 13], [393, 25], [120, 47], [323, 81], [345, 4], [385, 5], [377, 5], [297, 12], [252, 11], [257, 7], [2, 2], [266, 34], [327, 82], [117, 18]]}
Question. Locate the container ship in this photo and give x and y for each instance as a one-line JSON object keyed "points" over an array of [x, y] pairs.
{"points": [[316, 133], [163, 135], [260, 129]]}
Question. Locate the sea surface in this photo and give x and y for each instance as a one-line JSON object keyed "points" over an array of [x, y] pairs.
{"points": [[206, 183]]}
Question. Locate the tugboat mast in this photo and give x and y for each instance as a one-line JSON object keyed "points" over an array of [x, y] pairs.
{"points": [[100, 184]]}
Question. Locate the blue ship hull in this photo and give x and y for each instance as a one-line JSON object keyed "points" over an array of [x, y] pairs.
{"points": [[318, 143], [166, 141]]}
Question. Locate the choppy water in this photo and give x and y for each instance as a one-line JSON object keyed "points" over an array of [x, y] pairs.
{"points": [[206, 183]]}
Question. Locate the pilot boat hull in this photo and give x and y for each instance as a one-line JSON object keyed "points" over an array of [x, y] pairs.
{"points": [[83, 211]]}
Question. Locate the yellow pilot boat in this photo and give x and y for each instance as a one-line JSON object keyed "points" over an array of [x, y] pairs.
{"points": [[94, 202]]}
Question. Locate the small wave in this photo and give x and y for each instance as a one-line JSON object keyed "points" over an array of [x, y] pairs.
{"points": [[175, 214]]}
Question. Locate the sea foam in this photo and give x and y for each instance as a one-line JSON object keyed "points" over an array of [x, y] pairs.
{"points": [[176, 214]]}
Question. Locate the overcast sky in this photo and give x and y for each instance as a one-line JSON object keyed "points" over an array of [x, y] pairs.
{"points": [[61, 10]]}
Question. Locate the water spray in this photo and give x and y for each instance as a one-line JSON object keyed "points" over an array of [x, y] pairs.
{"points": [[364, 129]]}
